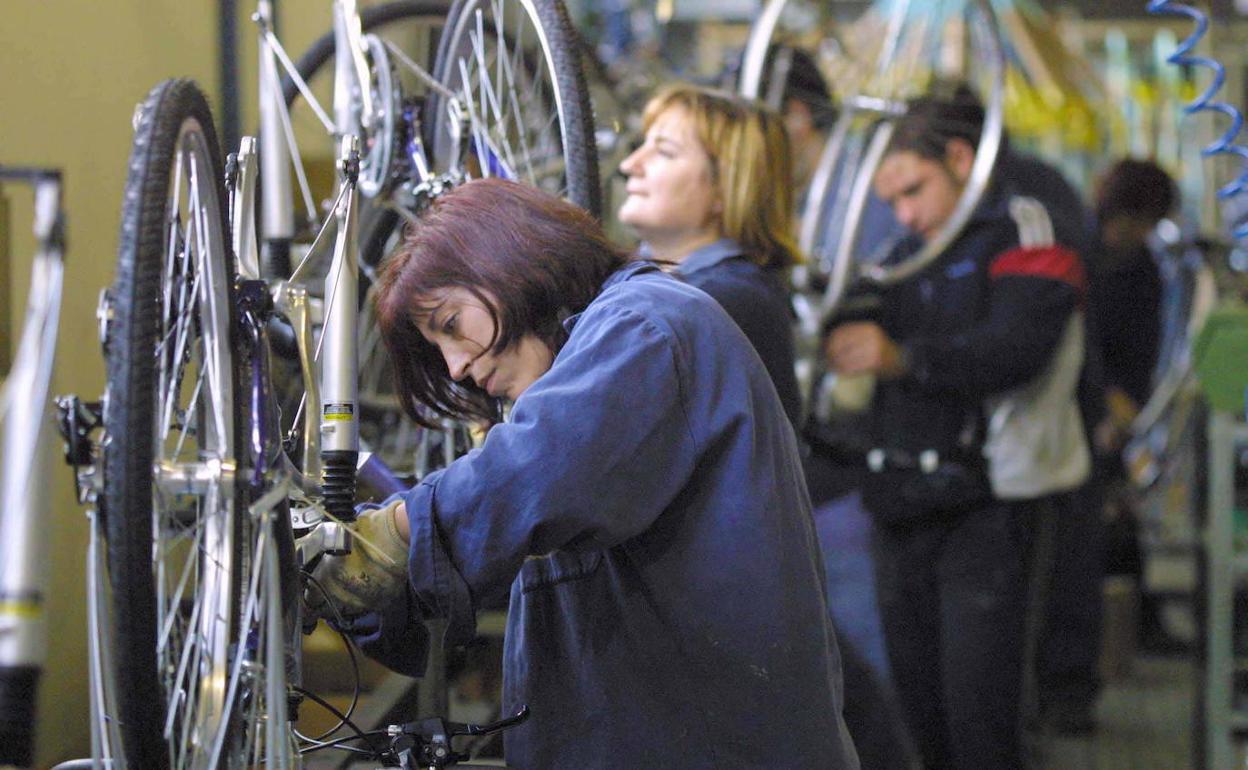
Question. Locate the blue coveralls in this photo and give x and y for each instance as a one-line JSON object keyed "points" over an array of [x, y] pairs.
{"points": [[645, 505], [756, 298]]}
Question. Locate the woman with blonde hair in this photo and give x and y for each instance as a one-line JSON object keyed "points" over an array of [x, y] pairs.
{"points": [[710, 194]]}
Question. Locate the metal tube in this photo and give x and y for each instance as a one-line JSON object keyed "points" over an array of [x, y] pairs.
{"points": [[243, 211], [23, 473], [339, 366], [277, 206], [339, 407]]}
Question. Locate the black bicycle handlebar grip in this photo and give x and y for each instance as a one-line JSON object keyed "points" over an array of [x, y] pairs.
{"points": [[17, 715]]}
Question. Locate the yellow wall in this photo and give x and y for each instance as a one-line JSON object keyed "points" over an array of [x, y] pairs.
{"points": [[71, 73]]}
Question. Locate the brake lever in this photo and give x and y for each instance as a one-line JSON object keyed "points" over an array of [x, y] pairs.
{"points": [[457, 728], [428, 741]]}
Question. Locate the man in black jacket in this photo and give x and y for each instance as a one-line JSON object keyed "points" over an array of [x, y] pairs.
{"points": [[974, 429]]}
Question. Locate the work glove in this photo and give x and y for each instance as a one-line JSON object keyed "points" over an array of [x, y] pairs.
{"points": [[369, 578]]}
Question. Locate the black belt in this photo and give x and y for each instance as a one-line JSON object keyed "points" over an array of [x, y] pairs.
{"points": [[846, 451], [881, 459]]}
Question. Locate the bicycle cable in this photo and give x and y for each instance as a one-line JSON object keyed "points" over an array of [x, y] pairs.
{"points": [[344, 719]]}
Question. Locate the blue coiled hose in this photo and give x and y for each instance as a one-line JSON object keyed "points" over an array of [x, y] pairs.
{"points": [[1226, 143]]}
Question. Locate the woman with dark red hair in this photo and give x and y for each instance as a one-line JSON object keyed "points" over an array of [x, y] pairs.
{"points": [[643, 501]]}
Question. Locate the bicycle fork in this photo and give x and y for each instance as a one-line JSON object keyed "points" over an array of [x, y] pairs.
{"points": [[340, 419]]}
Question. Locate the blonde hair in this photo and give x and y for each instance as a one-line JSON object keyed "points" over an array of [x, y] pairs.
{"points": [[751, 168]]}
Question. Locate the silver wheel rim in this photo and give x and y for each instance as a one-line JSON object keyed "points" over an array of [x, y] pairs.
{"points": [[193, 504], [508, 107], [839, 267]]}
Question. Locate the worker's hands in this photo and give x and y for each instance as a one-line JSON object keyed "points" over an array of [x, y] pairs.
{"points": [[368, 578], [863, 347], [1114, 430]]}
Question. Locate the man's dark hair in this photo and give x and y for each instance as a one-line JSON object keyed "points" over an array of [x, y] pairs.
{"points": [[791, 73], [1137, 188], [946, 112]]}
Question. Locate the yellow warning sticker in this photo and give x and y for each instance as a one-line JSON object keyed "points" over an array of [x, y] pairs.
{"points": [[339, 412]]}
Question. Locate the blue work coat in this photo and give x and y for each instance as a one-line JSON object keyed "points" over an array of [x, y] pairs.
{"points": [[644, 504], [758, 300]]}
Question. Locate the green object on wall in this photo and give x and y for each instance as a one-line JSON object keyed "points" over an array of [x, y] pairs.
{"points": [[1220, 357]]}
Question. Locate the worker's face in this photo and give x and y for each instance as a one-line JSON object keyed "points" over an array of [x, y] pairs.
{"points": [[461, 327], [923, 192], [671, 192], [805, 140]]}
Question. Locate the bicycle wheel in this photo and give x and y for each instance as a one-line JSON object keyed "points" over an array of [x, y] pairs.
{"points": [[521, 109], [412, 27], [890, 55], [180, 545]]}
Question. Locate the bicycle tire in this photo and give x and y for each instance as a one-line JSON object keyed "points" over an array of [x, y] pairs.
{"points": [[175, 134], [561, 54]]}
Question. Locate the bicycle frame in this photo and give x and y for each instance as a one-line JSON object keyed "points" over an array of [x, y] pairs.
{"points": [[331, 435], [324, 322], [23, 476]]}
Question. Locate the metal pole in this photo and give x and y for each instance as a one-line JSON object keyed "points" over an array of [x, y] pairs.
{"points": [[228, 45]]}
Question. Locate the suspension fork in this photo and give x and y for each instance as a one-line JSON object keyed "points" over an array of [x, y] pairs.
{"points": [[339, 403]]}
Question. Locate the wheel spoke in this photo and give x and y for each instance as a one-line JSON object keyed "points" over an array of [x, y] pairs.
{"points": [[517, 112], [184, 430], [474, 123], [489, 101], [166, 631], [210, 338], [174, 382], [236, 668]]}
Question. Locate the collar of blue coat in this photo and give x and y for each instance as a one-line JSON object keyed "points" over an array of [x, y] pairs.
{"points": [[634, 268], [709, 255]]}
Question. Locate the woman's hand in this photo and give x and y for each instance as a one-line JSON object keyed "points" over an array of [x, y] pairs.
{"points": [[369, 577]]}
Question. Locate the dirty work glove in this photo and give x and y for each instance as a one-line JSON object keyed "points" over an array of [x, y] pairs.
{"points": [[371, 576]]}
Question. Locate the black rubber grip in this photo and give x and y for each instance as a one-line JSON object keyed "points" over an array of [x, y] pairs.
{"points": [[338, 482]]}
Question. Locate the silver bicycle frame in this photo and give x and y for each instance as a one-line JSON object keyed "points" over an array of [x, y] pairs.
{"points": [[24, 416], [277, 207]]}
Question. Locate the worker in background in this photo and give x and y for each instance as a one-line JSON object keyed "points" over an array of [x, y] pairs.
{"points": [[710, 194], [976, 433], [1126, 295]]}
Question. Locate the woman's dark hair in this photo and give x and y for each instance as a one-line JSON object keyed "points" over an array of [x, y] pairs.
{"points": [[948, 111], [1136, 188], [529, 257]]}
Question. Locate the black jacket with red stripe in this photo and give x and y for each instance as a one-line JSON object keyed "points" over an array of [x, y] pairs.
{"points": [[984, 318]]}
